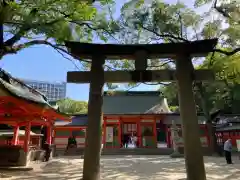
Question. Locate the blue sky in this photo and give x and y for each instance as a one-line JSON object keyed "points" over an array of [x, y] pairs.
{"points": [[44, 63]]}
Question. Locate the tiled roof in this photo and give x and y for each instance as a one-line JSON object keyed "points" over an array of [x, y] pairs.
{"points": [[21, 133], [16, 87], [229, 128], [77, 120], [228, 122], [148, 102], [20, 89], [229, 119]]}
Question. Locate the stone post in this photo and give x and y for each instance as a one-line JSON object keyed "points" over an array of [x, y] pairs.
{"points": [[191, 133], [49, 134], [27, 137], [92, 153], [175, 139], [15, 135]]}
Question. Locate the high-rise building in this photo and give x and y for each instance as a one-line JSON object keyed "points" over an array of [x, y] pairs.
{"points": [[52, 90]]}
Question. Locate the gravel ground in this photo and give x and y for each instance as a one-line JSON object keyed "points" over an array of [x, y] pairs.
{"points": [[128, 168]]}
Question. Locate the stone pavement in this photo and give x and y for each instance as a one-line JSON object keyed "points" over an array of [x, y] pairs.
{"points": [[128, 168]]}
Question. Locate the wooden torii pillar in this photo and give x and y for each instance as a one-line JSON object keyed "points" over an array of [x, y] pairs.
{"points": [[184, 75]]}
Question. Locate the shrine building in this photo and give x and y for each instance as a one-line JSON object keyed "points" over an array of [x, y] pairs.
{"points": [[229, 127], [145, 114], [21, 109]]}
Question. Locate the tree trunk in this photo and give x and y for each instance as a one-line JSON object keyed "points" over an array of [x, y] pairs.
{"points": [[92, 153], [206, 110], [211, 136], [1, 40], [213, 145], [191, 131]]}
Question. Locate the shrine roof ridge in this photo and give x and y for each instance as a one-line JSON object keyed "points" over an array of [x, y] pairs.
{"points": [[163, 113], [10, 132], [19, 89], [131, 93], [198, 48]]}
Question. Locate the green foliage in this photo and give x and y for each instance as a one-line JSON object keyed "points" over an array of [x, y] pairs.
{"points": [[170, 93], [70, 106], [209, 96], [174, 109], [159, 21], [51, 22], [199, 3]]}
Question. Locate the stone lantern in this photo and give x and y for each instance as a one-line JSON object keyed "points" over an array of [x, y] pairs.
{"points": [[175, 139]]}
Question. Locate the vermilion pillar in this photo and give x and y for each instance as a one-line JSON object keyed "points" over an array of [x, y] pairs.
{"points": [[119, 133], [167, 137], [27, 136], [104, 131], [15, 135], [139, 132], [49, 134], [53, 135], [155, 131]]}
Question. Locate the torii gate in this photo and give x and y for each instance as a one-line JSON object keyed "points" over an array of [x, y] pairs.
{"points": [[184, 75]]}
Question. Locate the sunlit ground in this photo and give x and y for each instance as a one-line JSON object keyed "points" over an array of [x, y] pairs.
{"points": [[129, 168]]}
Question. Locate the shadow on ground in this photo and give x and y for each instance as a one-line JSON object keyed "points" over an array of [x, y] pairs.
{"points": [[129, 168]]}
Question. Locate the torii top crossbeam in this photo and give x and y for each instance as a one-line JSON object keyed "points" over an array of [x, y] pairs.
{"points": [[122, 51]]}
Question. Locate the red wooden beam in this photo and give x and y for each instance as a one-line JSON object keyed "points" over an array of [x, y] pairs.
{"points": [[50, 113], [21, 112], [69, 128]]}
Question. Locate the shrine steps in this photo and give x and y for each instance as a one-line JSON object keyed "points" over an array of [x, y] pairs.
{"points": [[114, 151], [138, 151]]}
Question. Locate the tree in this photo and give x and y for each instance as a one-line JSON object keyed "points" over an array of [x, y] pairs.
{"points": [[228, 9], [226, 68], [49, 22], [72, 107], [212, 96], [162, 22]]}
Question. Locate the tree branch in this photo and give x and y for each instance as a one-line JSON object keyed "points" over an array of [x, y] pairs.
{"points": [[90, 26], [58, 48], [1, 36], [202, 93], [3, 5], [27, 27], [136, 85], [224, 10], [163, 64], [220, 10], [227, 53], [158, 83], [17, 36], [181, 24], [164, 35]]}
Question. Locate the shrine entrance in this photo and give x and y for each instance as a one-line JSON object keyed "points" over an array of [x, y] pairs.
{"points": [[148, 135], [184, 75], [162, 135], [117, 130], [129, 129]]}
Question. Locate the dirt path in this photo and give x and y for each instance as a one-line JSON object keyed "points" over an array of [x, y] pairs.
{"points": [[129, 168]]}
